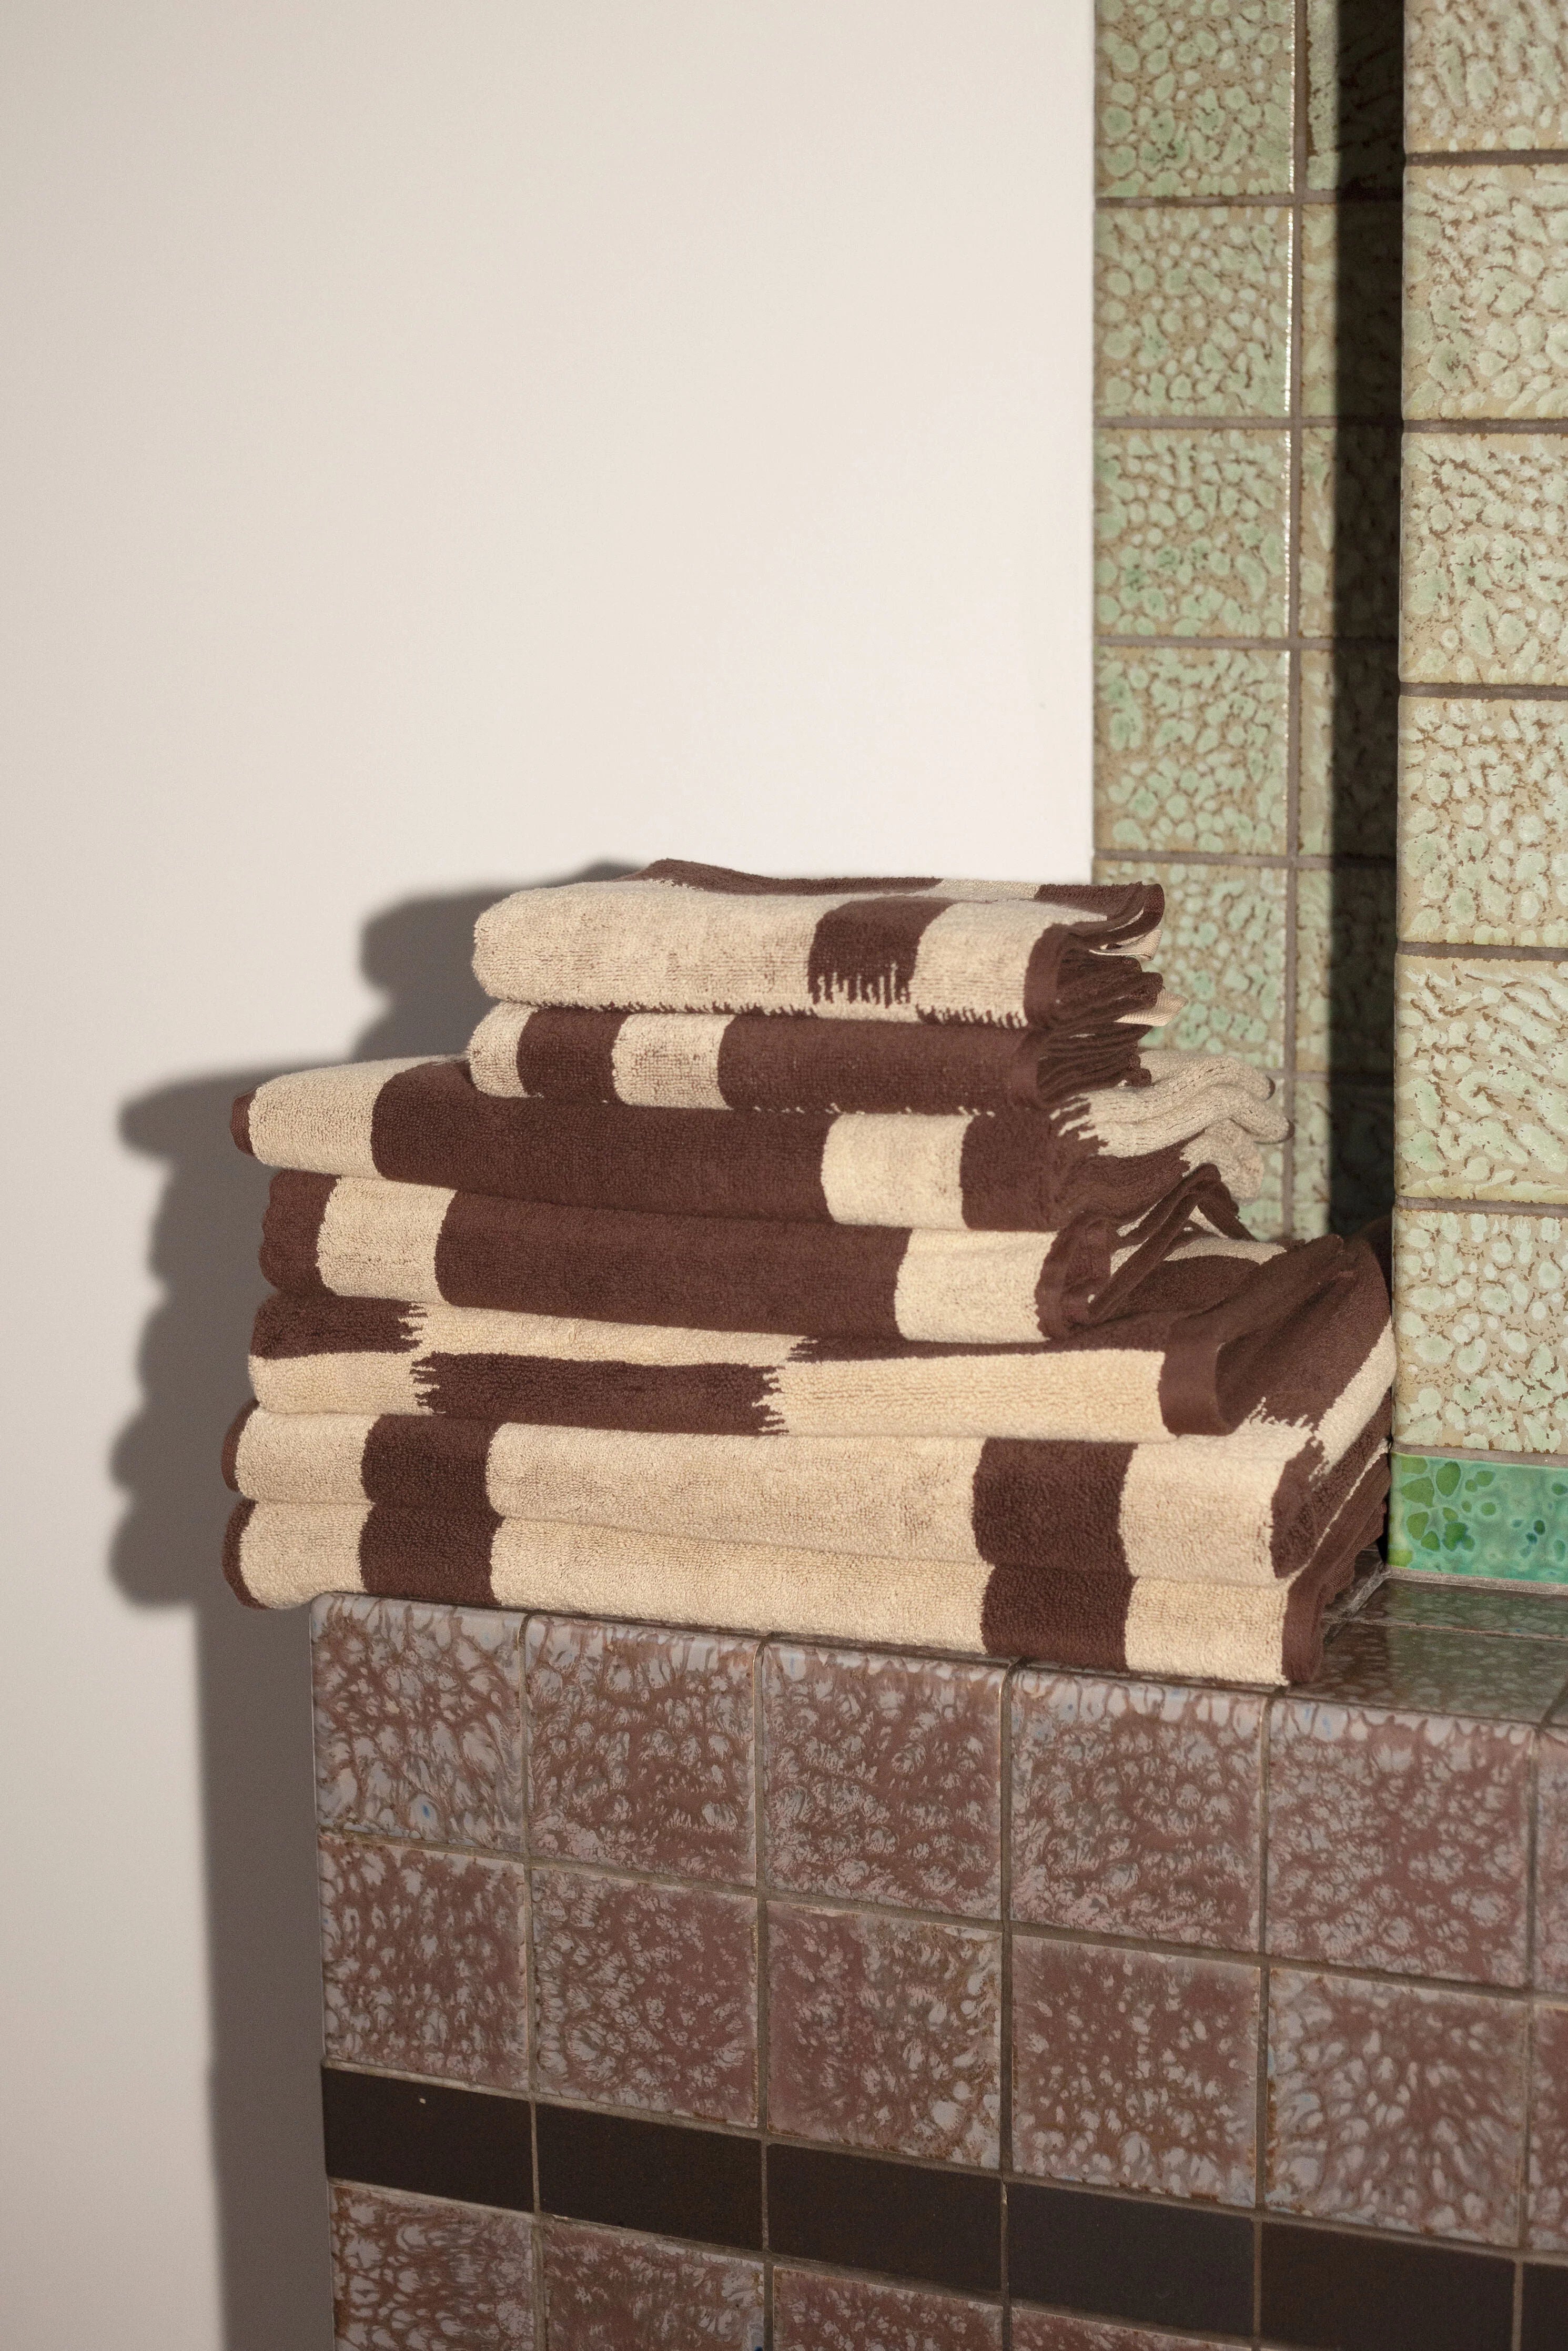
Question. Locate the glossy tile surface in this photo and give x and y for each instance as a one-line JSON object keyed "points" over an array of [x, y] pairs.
{"points": [[1485, 579], [608, 2292], [418, 1715], [1395, 2108], [1354, 76], [1456, 1607], [1551, 1862], [1350, 294], [1135, 1808], [426, 2276], [884, 1778], [1483, 812], [1134, 2069], [1192, 312], [1483, 1087], [1343, 1160], [1045, 2330], [816, 2313], [1194, 99], [646, 1995], [641, 1748], [1349, 530], [1492, 1518], [1190, 532], [1486, 74], [1487, 291], [1478, 1317], [1222, 949], [1191, 750], [423, 1961], [1436, 1672], [1344, 970], [1546, 2222], [1350, 718], [885, 2033]]}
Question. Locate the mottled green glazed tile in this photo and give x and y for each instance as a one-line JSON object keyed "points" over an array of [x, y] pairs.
{"points": [[1486, 75], [1350, 723], [1479, 1320], [1264, 1217], [1350, 309], [1484, 822], [1485, 589], [1507, 1520], [1190, 531], [1191, 749], [1222, 949], [1193, 97], [1349, 530], [1342, 1157], [1355, 65], [1485, 291], [1344, 970], [1192, 312], [1482, 1079]]}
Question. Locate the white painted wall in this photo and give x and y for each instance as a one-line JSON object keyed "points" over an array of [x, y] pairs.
{"points": [[444, 445]]}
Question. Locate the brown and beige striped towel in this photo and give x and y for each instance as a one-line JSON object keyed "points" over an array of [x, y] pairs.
{"points": [[1215, 1340], [423, 1122], [679, 937]]}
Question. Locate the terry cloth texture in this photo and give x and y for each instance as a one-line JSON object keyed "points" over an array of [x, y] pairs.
{"points": [[1215, 1340], [698, 939], [363, 1237], [276, 1555], [425, 1123]]}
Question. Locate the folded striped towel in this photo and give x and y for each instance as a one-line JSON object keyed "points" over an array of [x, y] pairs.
{"points": [[679, 937], [1215, 1340], [423, 1122]]}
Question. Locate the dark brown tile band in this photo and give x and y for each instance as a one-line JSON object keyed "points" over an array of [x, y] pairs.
{"points": [[859, 2212], [428, 2139], [1119, 2257], [657, 2176], [1322, 2291], [1545, 2308]]}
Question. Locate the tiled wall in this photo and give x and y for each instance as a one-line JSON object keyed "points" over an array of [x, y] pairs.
{"points": [[1481, 1231], [687, 1988], [1246, 523]]}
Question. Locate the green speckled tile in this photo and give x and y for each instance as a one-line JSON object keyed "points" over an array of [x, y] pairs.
{"points": [[1189, 532], [1350, 275], [1483, 814], [1349, 530], [1483, 1340], [1344, 970], [1461, 1607], [1191, 749], [1485, 291], [1505, 1520], [1486, 74], [1485, 584], [1222, 949], [1353, 70], [1192, 312], [1343, 1158], [1482, 1083], [1193, 97], [1350, 725], [1264, 1217]]}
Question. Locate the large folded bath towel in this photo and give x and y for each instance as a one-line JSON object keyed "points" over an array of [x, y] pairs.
{"points": [[278, 1554], [361, 1236], [679, 937], [1215, 1340], [425, 1123]]}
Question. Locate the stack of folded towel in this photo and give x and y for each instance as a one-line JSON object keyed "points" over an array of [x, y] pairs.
{"points": [[824, 1256]]}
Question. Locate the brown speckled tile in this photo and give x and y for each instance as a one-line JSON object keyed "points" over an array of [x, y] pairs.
{"points": [[1134, 2069], [1529, 1615], [1395, 2106], [646, 1995], [1135, 1808], [812, 2312], [413, 2274], [1546, 2224], [418, 1720], [1551, 1861], [607, 2292], [1398, 1840], [640, 1747], [423, 1961], [1048, 2330], [1439, 1672], [885, 2033], [884, 1778]]}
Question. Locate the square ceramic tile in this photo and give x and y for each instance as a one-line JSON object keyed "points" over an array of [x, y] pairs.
{"points": [[1482, 1090], [646, 1995], [1194, 99], [1350, 321], [1343, 1160], [419, 1720], [1499, 1519], [1190, 531], [1349, 530], [1264, 1217], [1486, 74], [885, 2033], [1461, 1608], [1354, 76], [1349, 762], [1483, 1360], [1485, 579], [1136, 1808], [1483, 817], [1134, 2069], [1395, 2108], [1191, 750], [420, 2274], [1344, 970], [1222, 950], [1192, 312], [1417, 1670], [1048, 2330], [1546, 2225], [1400, 1839], [1486, 294], [605, 2290], [1551, 1862], [422, 1962], [884, 1778], [812, 2312], [641, 1749]]}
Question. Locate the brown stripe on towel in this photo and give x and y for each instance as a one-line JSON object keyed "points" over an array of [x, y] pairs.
{"points": [[239, 1518], [443, 1555], [290, 1326], [864, 953], [699, 1399], [448, 1475], [1025, 1493], [569, 1055]]}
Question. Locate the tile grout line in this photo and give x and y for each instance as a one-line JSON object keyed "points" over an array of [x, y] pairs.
{"points": [[1295, 325], [1008, 2036], [1261, 2111], [525, 1823], [1427, 1204], [760, 1865], [1470, 690]]}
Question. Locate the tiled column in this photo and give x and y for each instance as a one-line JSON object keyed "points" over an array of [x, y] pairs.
{"points": [[1481, 1232], [1248, 353]]}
